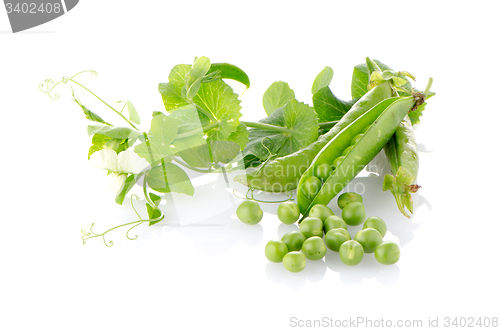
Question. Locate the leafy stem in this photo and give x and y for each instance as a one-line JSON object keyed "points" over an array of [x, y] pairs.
{"points": [[91, 234], [191, 167], [116, 111], [269, 127], [195, 132], [265, 126], [206, 113], [276, 128], [145, 190], [48, 89]]}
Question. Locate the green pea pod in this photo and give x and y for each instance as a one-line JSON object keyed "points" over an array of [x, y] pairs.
{"points": [[401, 151], [377, 125], [283, 173]]}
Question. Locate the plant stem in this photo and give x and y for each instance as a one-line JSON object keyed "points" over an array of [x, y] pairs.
{"points": [[265, 126], [116, 111], [145, 190], [206, 113], [428, 87], [275, 128], [195, 132], [269, 127], [327, 125], [192, 168]]}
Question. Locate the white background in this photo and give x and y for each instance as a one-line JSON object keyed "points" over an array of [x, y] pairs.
{"points": [[198, 272]]}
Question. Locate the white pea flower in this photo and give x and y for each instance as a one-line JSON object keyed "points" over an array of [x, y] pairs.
{"points": [[126, 162]]}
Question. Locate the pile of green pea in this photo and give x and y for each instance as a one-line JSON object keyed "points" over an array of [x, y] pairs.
{"points": [[322, 229]]}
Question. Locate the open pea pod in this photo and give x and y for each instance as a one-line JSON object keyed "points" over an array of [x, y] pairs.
{"points": [[350, 151]]}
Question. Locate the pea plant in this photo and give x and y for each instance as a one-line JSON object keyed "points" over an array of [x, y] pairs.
{"points": [[201, 130]]}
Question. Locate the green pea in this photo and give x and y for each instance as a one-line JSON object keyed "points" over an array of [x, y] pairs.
{"points": [[312, 186], [294, 261], [275, 250], [288, 212], [314, 248], [320, 211], [369, 238], [311, 227], [351, 252], [249, 212], [293, 240], [354, 213], [387, 253], [347, 150], [323, 171], [348, 197], [335, 238], [356, 138], [376, 223], [334, 222], [337, 162]]}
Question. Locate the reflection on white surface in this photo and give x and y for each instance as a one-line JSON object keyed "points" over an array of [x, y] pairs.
{"points": [[368, 268], [209, 221]]}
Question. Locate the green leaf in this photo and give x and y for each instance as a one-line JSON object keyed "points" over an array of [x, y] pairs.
{"points": [[153, 211], [100, 139], [240, 136], [230, 71], [168, 177], [372, 66], [389, 181], [155, 198], [329, 107], [360, 75], [92, 150], [415, 114], [323, 79], [251, 160], [276, 96], [91, 116], [129, 183], [162, 132], [216, 102], [223, 151], [298, 117], [98, 142], [133, 115], [112, 131], [404, 177], [188, 119], [193, 150], [198, 70], [222, 103], [193, 89], [171, 92], [226, 149]]}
